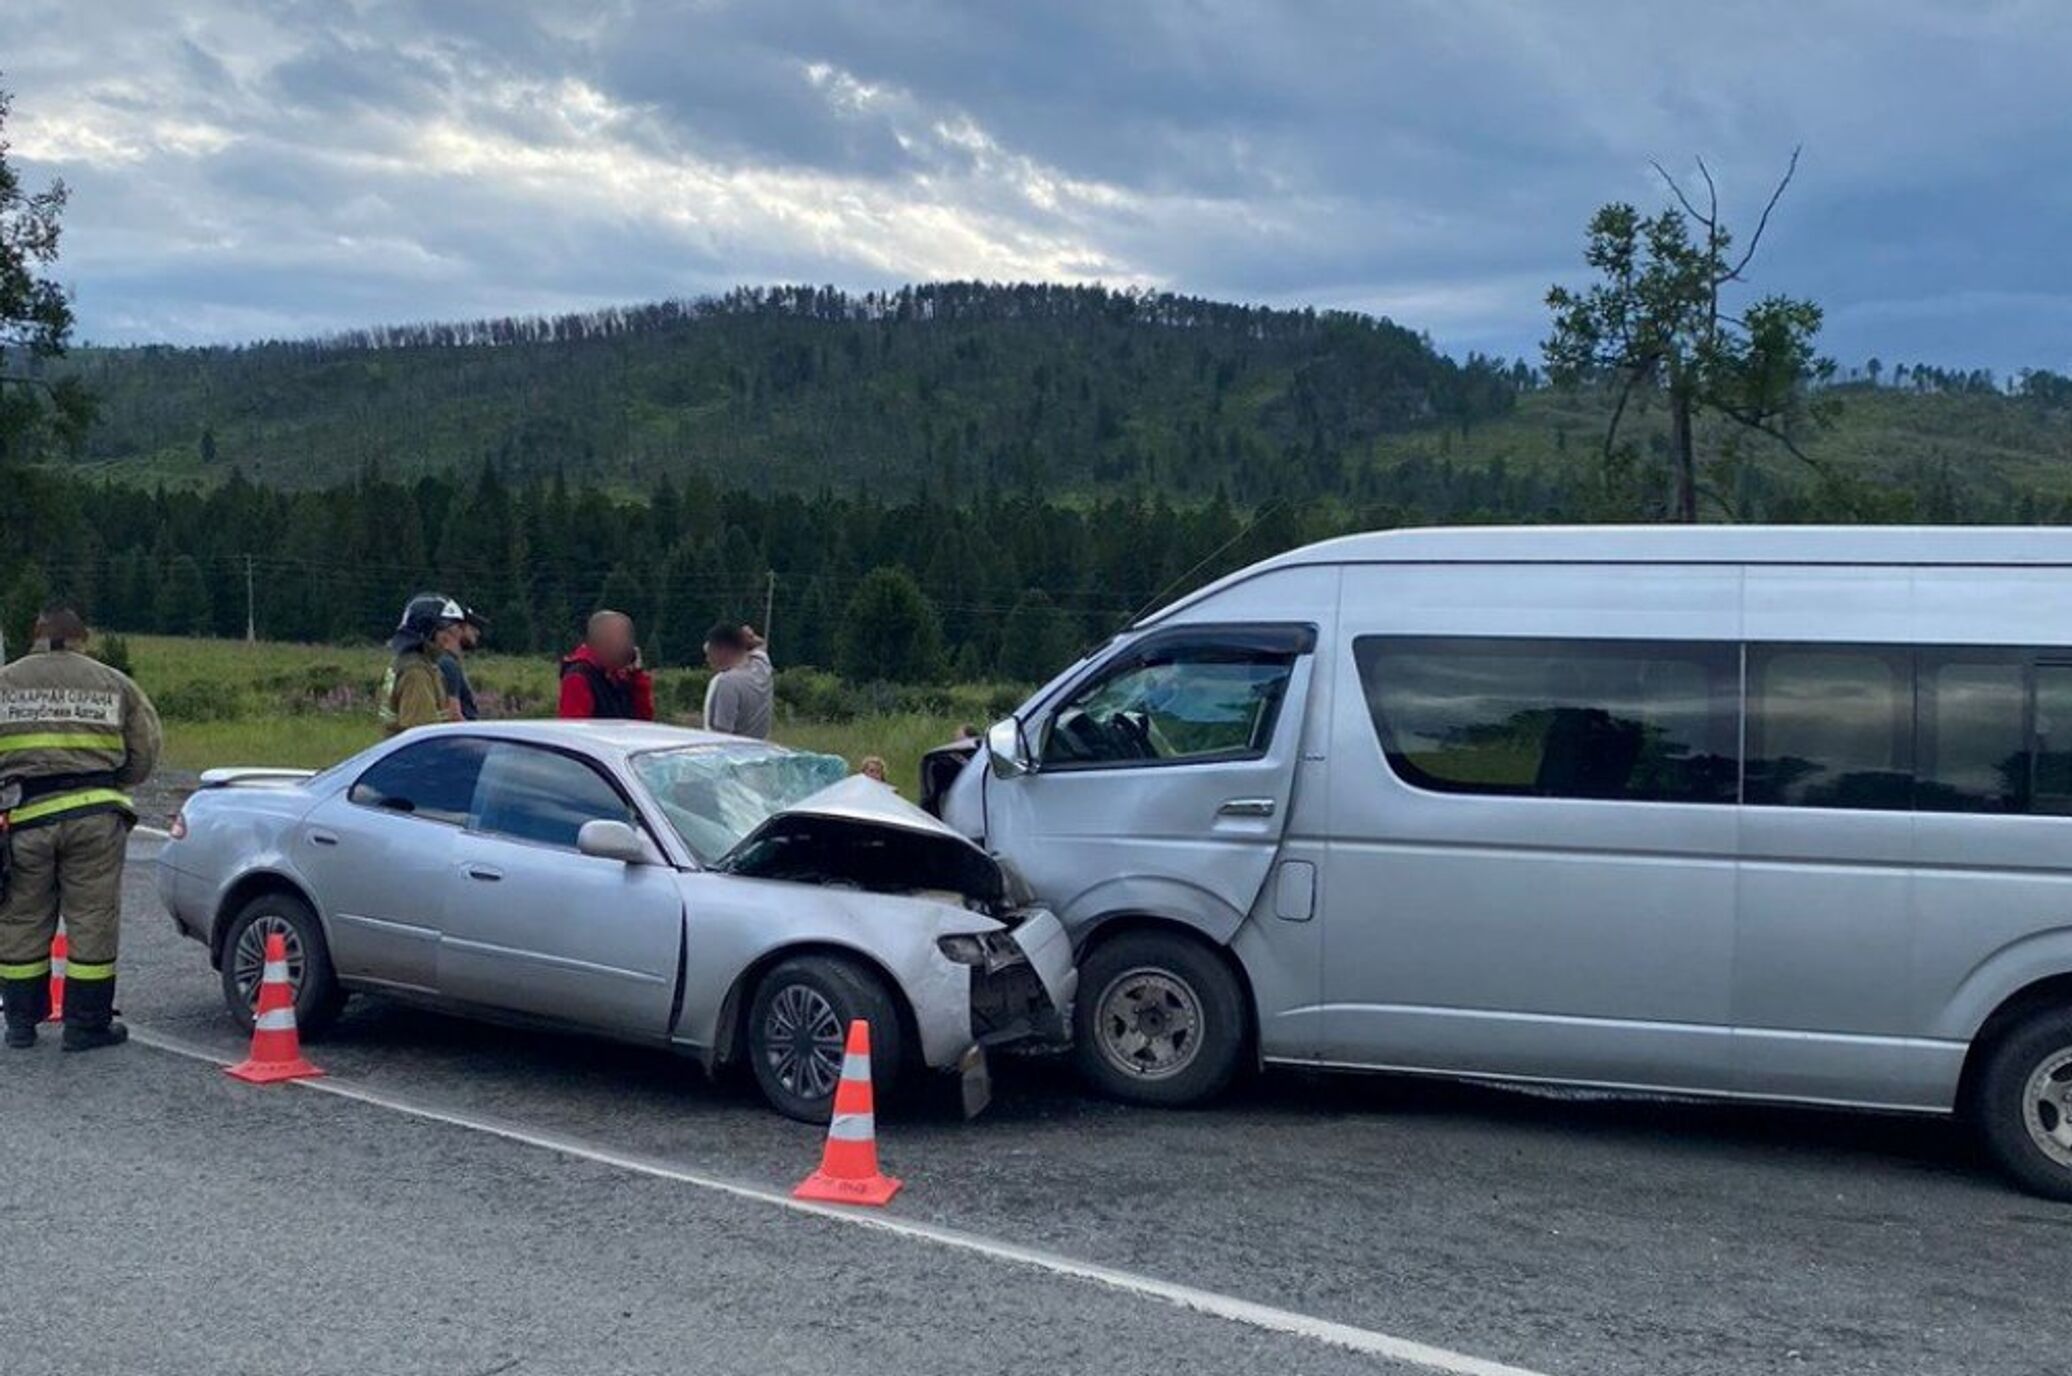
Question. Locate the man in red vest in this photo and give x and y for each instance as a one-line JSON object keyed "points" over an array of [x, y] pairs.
{"points": [[603, 677]]}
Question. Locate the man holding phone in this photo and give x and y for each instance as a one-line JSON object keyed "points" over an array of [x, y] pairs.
{"points": [[603, 677], [740, 698]]}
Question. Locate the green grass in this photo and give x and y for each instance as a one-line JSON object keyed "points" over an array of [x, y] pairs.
{"points": [[308, 706], [282, 742]]}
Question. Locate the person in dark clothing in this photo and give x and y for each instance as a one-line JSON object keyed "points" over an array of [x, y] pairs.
{"points": [[603, 677], [472, 627]]}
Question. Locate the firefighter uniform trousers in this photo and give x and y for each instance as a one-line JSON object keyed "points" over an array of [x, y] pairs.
{"points": [[75, 736], [71, 865]]}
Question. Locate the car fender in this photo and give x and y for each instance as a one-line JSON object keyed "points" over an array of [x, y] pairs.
{"points": [[263, 871], [734, 926], [2000, 976], [1189, 905]]}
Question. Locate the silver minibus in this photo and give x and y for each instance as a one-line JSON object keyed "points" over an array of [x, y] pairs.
{"points": [[1762, 813]]}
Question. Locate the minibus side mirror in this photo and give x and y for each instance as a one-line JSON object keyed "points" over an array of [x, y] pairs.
{"points": [[1008, 749]]}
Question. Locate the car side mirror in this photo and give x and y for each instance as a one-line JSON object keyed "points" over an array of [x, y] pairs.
{"points": [[1008, 749], [609, 840]]}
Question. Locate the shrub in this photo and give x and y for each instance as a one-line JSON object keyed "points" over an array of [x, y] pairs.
{"points": [[199, 700], [113, 651], [681, 692], [814, 695]]}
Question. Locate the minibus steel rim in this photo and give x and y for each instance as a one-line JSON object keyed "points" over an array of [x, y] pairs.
{"points": [[2047, 1107], [1148, 1023]]}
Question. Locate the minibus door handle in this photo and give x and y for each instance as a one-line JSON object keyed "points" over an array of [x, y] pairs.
{"points": [[1246, 807]]}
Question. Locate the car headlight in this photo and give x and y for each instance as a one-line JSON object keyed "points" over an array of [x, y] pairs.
{"points": [[992, 951]]}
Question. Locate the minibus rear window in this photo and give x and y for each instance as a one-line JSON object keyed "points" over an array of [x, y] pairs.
{"points": [[1642, 720]]}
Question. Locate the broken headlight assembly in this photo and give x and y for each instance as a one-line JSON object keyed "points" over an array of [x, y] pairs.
{"points": [[989, 951]]}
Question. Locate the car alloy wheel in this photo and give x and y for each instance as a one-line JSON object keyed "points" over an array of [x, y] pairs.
{"points": [[803, 1035], [248, 960], [1148, 1024]]}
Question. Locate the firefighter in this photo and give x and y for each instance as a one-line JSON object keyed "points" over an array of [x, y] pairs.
{"points": [[75, 736], [414, 691]]}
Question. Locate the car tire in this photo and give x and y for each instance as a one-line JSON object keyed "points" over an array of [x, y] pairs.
{"points": [[2022, 1107], [319, 998], [1160, 1019], [798, 1023]]}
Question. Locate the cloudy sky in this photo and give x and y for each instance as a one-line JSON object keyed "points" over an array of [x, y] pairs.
{"points": [[245, 168]]}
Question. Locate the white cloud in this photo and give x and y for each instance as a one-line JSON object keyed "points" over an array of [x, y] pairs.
{"points": [[314, 165]]}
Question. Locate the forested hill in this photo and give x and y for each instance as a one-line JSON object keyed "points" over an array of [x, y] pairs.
{"points": [[959, 389], [1005, 472]]}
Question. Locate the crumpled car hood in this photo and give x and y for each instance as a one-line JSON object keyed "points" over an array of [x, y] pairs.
{"points": [[859, 833]]}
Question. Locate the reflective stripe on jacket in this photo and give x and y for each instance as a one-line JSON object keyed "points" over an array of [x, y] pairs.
{"points": [[65, 717]]}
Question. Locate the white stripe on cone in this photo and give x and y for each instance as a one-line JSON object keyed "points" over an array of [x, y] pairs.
{"points": [[852, 1127], [279, 1020], [855, 1067], [276, 972]]}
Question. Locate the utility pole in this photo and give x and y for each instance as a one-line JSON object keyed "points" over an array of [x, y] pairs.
{"points": [[251, 610], [769, 604]]}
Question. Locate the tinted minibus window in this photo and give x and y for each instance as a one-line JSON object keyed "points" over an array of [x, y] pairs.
{"points": [[1971, 731], [1611, 719], [2053, 759], [1830, 726]]}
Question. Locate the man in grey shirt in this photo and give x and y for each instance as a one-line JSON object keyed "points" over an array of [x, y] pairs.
{"points": [[744, 685]]}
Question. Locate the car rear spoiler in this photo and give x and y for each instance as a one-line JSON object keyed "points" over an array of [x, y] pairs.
{"points": [[254, 777]]}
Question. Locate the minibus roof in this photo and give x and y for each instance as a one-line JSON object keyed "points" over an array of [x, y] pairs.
{"points": [[1868, 546]]}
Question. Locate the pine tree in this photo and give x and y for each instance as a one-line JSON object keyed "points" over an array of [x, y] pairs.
{"points": [[183, 599], [1035, 640], [23, 603], [890, 631]]}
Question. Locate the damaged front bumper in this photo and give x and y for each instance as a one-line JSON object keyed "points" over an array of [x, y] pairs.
{"points": [[1022, 991], [1023, 983]]}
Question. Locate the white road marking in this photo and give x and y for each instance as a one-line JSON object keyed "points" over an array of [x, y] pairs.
{"points": [[1209, 1302]]}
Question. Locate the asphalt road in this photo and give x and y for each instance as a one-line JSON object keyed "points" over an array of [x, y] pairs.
{"points": [[167, 1219]]}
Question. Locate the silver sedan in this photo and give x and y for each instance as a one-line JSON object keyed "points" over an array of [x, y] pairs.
{"points": [[729, 899]]}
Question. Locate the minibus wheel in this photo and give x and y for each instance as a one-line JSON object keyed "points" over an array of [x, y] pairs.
{"points": [[1160, 1019], [2024, 1103]]}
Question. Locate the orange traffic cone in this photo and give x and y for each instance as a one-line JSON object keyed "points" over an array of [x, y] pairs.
{"points": [[60, 962], [848, 1171], [276, 1047]]}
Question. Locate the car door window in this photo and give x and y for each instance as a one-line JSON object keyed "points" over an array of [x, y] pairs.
{"points": [[433, 780], [1182, 702], [530, 794]]}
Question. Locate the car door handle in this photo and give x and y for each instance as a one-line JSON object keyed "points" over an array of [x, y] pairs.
{"points": [[484, 873], [1246, 807], [323, 838]]}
